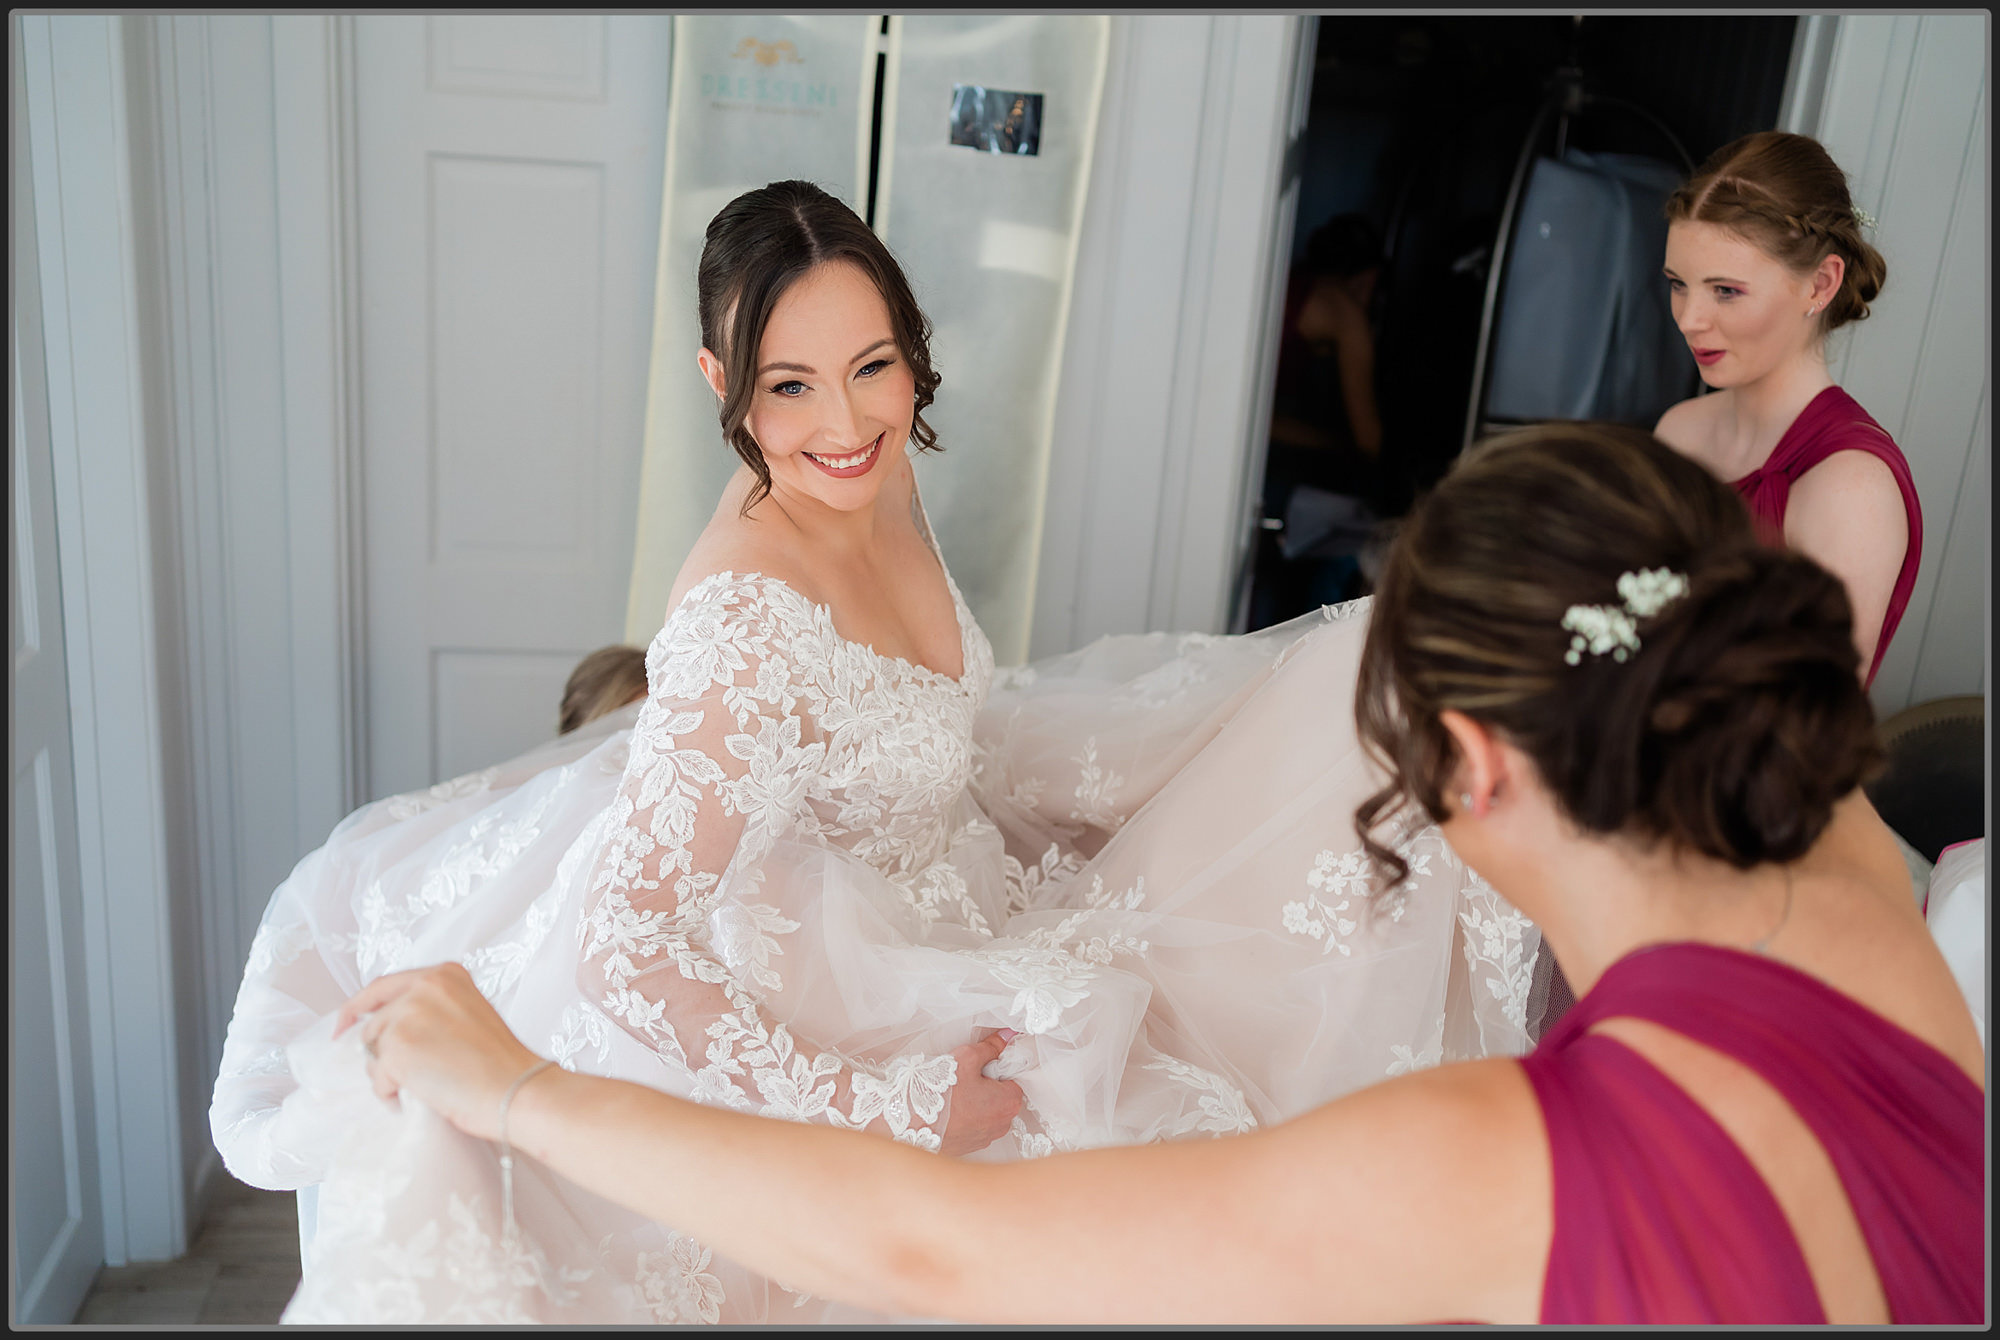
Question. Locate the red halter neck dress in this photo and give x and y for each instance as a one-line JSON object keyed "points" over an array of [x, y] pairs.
{"points": [[1834, 422], [1659, 1216]]}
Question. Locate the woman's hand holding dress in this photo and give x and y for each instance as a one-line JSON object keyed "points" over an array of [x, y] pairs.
{"points": [[982, 1109], [429, 1032]]}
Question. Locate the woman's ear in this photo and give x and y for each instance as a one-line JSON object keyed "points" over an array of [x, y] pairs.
{"points": [[711, 368], [1482, 765], [1827, 278]]}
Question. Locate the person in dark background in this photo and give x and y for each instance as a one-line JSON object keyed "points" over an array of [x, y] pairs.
{"points": [[1325, 423], [1417, 123], [1323, 477]]}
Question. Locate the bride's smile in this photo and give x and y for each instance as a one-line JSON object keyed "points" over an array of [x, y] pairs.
{"points": [[848, 467]]}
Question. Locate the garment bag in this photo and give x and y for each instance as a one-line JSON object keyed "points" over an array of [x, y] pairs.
{"points": [[1585, 330], [979, 138], [754, 99], [988, 127]]}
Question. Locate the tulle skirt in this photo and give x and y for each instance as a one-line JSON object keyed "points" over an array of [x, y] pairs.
{"points": [[1153, 877]]}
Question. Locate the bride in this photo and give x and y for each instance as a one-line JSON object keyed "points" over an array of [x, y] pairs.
{"points": [[836, 863]]}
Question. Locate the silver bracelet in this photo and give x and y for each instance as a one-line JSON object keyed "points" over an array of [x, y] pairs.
{"points": [[507, 1150]]}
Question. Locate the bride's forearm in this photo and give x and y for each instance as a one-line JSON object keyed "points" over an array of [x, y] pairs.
{"points": [[842, 1214]]}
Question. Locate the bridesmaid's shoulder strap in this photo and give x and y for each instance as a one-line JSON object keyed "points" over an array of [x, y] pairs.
{"points": [[1833, 422]]}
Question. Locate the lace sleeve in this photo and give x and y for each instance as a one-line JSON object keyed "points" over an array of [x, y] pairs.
{"points": [[676, 946], [295, 977], [1494, 951]]}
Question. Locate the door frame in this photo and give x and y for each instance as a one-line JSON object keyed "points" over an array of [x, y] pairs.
{"points": [[47, 1289], [91, 316], [211, 612]]}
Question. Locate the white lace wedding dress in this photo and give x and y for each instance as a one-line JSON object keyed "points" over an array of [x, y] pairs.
{"points": [[799, 879]]}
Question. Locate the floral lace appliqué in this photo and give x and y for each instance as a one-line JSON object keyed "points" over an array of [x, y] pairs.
{"points": [[1220, 1108], [1496, 949], [1096, 790], [1330, 911], [676, 1284], [764, 725]]}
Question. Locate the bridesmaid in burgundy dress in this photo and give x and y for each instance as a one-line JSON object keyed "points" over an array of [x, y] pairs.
{"points": [[1647, 730], [1765, 258]]}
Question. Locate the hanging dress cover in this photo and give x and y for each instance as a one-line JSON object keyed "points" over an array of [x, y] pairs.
{"points": [[986, 232], [754, 99], [988, 237], [1585, 330], [801, 876]]}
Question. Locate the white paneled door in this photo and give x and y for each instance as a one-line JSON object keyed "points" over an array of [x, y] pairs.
{"points": [[56, 1223], [508, 174]]}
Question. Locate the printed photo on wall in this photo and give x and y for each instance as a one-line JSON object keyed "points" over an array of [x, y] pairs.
{"points": [[995, 119]]}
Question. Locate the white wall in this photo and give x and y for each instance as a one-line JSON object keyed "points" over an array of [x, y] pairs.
{"points": [[1905, 112]]}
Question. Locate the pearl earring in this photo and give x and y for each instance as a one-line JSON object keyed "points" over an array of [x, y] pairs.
{"points": [[1465, 800]]}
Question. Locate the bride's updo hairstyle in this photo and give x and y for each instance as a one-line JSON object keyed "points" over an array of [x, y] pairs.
{"points": [[762, 243], [1731, 730], [1784, 194]]}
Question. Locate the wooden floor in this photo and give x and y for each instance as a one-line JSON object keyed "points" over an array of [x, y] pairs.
{"points": [[241, 1270]]}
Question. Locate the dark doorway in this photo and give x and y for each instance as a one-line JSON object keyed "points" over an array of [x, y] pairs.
{"points": [[1416, 130]]}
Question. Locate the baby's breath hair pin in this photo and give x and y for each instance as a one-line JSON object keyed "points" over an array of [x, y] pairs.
{"points": [[1612, 628], [1863, 217]]}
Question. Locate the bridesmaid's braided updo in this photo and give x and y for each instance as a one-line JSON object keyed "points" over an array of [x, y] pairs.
{"points": [[1786, 195], [1731, 730]]}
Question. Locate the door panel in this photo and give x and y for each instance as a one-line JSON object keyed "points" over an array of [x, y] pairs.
{"points": [[508, 174]]}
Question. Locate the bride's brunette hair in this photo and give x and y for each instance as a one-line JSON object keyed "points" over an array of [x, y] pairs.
{"points": [[757, 247], [1786, 195], [1731, 730]]}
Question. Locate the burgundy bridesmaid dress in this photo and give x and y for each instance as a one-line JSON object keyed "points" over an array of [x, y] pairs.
{"points": [[1659, 1216], [1834, 422]]}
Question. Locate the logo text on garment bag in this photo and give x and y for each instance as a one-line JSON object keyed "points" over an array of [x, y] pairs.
{"points": [[743, 90], [996, 120]]}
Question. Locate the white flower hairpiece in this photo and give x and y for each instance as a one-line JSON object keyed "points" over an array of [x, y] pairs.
{"points": [[1863, 217], [1647, 593], [1602, 628]]}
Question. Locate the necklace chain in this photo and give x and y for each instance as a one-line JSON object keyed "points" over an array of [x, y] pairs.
{"points": [[1762, 945]]}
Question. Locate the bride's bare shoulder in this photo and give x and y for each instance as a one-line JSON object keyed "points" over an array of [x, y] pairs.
{"points": [[733, 541]]}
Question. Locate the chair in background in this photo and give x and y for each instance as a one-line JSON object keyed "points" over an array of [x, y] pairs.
{"points": [[1933, 791]]}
